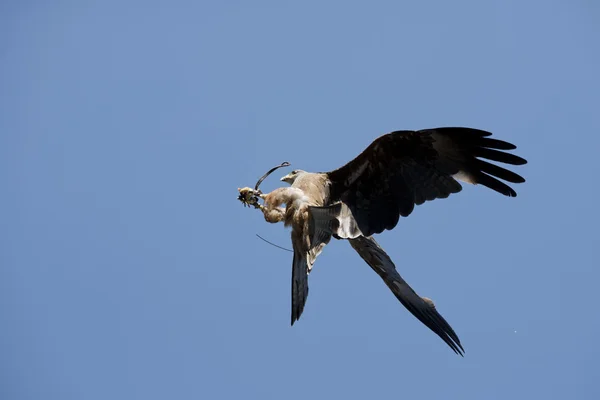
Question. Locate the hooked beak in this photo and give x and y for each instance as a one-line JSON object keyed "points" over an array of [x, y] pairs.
{"points": [[286, 178]]}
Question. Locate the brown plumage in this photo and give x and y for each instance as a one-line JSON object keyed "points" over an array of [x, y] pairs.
{"points": [[369, 195]]}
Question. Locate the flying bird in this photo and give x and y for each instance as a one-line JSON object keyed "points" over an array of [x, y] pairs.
{"points": [[372, 192]]}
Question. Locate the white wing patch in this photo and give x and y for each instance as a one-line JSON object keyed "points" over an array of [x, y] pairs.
{"points": [[465, 177]]}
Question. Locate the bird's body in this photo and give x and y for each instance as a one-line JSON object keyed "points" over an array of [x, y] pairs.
{"points": [[369, 195]]}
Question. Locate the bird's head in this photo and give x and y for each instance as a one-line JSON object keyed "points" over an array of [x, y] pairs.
{"points": [[291, 177]]}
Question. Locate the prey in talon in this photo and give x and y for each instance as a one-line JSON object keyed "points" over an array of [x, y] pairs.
{"points": [[371, 193], [249, 197]]}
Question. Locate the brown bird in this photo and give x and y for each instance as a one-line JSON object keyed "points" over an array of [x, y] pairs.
{"points": [[370, 193]]}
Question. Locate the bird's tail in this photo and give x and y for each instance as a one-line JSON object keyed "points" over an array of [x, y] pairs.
{"points": [[300, 273]]}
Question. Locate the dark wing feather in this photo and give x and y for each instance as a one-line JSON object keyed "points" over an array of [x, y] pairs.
{"points": [[421, 308], [299, 285], [303, 261], [404, 168]]}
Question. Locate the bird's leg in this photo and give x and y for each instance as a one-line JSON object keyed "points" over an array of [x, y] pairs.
{"points": [[271, 209], [273, 214]]}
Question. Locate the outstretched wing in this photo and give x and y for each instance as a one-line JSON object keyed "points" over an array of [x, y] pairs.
{"points": [[422, 308], [404, 168]]}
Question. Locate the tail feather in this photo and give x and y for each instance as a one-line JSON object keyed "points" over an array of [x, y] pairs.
{"points": [[319, 231], [299, 285]]}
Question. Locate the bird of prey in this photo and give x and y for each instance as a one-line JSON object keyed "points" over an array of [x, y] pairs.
{"points": [[369, 195]]}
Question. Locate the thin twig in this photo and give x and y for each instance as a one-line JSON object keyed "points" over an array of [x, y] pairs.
{"points": [[273, 244]]}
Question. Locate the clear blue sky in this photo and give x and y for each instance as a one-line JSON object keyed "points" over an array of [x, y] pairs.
{"points": [[128, 270]]}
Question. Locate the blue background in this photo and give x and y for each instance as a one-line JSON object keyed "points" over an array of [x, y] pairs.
{"points": [[129, 270]]}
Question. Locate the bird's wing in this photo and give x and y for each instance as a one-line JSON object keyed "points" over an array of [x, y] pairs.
{"points": [[404, 168], [422, 308]]}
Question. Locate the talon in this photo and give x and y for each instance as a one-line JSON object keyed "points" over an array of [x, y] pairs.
{"points": [[250, 197]]}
